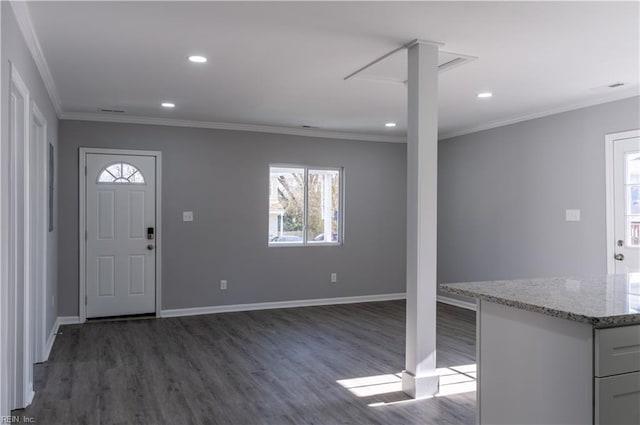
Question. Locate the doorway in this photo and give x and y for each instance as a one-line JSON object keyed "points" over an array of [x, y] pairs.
{"points": [[120, 229], [623, 202]]}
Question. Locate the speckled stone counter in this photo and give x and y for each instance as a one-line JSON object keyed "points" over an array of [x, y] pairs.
{"points": [[604, 301]]}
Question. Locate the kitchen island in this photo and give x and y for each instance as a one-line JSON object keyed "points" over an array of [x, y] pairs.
{"points": [[557, 350]]}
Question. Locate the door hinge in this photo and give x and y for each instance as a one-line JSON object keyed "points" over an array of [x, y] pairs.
{"points": [[85, 170], [85, 235], [85, 299]]}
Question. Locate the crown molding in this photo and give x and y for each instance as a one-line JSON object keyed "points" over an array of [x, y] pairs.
{"points": [[128, 119], [633, 92], [23, 17]]}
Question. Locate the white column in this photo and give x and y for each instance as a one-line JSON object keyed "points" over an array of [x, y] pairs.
{"points": [[419, 379]]}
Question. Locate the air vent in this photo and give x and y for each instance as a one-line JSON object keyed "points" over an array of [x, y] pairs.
{"points": [[308, 126], [112, 111], [614, 85]]}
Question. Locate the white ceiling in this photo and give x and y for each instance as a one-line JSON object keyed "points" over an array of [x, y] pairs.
{"points": [[283, 64]]}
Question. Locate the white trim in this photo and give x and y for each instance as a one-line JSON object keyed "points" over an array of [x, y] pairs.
{"points": [[23, 17], [456, 302], [68, 320], [129, 119], [55, 330], [82, 184], [51, 339], [4, 257], [21, 323], [609, 141], [194, 311], [619, 95], [40, 209]]}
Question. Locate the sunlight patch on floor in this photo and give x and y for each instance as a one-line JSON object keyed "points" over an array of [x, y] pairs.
{"points": [[453, 380]]}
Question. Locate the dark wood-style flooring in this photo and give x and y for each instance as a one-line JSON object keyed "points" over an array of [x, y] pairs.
{"points": [[289, 366]]}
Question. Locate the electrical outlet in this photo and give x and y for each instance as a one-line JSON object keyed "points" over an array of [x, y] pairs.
{"points": [[223, 285], [187, 215], [334, 277]]}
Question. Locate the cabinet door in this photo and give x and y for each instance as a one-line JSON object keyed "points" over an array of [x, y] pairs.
{"points": [[617, 350], [618, 399]]}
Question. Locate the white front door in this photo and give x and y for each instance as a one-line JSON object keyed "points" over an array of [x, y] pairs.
{"points": [[120, 224], [626, 216]]}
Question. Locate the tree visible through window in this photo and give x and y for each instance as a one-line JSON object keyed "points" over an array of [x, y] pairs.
{"points": [[120, 173], [304, 205]]}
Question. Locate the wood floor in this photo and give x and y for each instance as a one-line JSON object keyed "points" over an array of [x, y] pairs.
{"points": [[290, 366]]}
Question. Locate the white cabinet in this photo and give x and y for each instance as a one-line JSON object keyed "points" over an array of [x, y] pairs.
{"points": [[539, 369], [617, 376], [617, 350], [618, 399]]}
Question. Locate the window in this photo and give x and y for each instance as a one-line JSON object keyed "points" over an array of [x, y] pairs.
{"points": [[632, 198], [305, 205], [121, 173]]}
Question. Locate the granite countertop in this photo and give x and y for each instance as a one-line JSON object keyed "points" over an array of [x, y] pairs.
{"points": [[604, 301]]}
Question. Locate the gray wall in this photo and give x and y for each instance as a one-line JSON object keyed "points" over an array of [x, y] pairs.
{"points": [[222, 176], [503, 195], [14, 50]]}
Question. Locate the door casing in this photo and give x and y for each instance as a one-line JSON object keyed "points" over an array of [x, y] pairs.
{"points": [[39, 210], [609, 142], [82, 308]]}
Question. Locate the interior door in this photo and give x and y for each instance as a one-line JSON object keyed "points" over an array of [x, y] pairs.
{"points": [[120, 257], [626, 169]]}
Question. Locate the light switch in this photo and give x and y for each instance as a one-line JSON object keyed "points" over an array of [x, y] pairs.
{"points": [[187, 215], [572, 215]]}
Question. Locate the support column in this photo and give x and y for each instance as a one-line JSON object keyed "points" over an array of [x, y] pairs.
{"points": [[419, 379]]}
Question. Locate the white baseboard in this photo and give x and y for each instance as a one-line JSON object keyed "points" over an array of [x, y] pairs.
{"points": [[60, 321], [456, 302], [280, 304], [28, 398], [51, 339], [68, 320]]}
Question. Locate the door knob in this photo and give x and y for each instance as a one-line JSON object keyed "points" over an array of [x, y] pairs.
{"points": [[150, 247], [619, 257]]}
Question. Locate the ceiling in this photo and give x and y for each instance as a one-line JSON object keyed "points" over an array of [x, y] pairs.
{"points": [[283, 64]]}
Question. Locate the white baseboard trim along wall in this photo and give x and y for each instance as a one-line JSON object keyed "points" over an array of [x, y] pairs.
{"points": [[456, 302], [60, 321], [178, 312], [281, 304]]}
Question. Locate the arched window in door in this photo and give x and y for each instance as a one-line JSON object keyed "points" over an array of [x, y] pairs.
{"points": [[121, 173]]}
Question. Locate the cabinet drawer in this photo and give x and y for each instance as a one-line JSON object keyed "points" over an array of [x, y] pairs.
{"points": [[617, 399], [617, 350]]}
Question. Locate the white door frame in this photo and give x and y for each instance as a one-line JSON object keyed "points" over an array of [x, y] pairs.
{"points": [[39, 208], [83, 221], [20, 324], [609, 141], [4, 260]]}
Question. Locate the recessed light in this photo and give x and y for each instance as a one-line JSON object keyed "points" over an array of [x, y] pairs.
{"points": [[390, 124], [485, 95], [168, 105], [197, 59]]}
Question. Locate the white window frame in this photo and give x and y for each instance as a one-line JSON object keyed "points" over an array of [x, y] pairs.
{"points": [[305, 242]]}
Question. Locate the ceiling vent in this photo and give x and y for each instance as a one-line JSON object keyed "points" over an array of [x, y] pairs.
{"points": [[614, 85], [392, 67], [112, 111]]}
